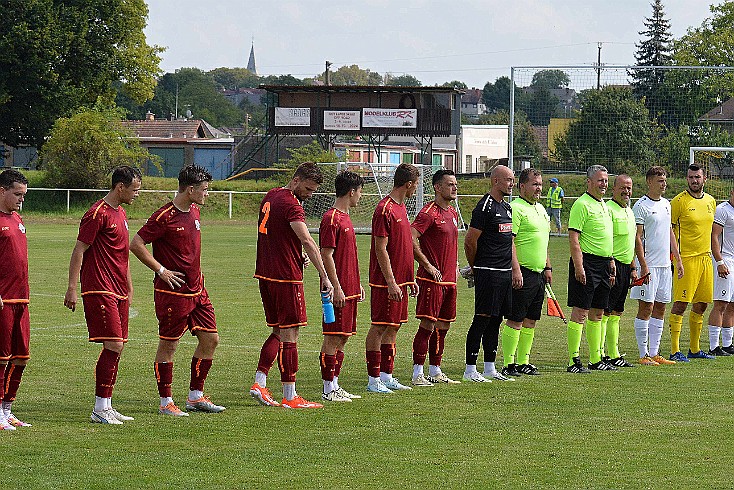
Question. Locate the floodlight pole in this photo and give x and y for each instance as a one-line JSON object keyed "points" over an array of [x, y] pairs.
{"points": [[510, 137], [326, 73], [598, 66]]}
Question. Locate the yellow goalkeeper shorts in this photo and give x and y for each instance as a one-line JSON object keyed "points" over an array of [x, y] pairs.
{"points": [[697, 283]]}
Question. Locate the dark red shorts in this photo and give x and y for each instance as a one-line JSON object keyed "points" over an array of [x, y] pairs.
{"points": [[284, 304], [385, 311], [107, 317], [15, 332], [346, 320], [436, 302], [177, 314]]}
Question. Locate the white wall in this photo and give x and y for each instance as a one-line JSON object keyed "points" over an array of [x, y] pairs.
{"points": [[484, 144]]}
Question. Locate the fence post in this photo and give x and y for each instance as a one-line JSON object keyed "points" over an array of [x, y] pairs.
{"points": [[230, 204], [68, 200]]}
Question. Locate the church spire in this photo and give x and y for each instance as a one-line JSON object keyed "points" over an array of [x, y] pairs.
{"points": [[251, 62]]}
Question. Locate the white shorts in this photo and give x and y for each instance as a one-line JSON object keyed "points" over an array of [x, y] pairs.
{"points": [[658, 289], [724, 286]]}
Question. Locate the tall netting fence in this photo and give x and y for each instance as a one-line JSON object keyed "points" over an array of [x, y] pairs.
{"points": [[627, 118], [378, 183]]}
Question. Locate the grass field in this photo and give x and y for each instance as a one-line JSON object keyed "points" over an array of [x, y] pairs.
{"points": [[638, 428]]}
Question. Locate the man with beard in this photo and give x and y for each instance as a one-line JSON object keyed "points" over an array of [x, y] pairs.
{"points": [[282, 236], [692, 215], [435, 244], [488, 249]]}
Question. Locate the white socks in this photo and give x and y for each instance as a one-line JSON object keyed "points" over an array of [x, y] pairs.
{"points": [[655, 334], [261, 378], [417, 370], [165, 400], [385, 377], [195, 394], [328, 386], [289, 391], [470, 368], [489, 368], [714, 332], [434, 370], [101, 404], [726, 336], [641, 329]]}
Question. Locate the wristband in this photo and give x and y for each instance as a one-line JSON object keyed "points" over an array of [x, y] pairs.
{"points": [[720, 262], [161, 270], [547, 269]]}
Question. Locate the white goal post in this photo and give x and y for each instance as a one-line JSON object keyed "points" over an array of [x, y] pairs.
{"points": [[715, 160], [378, 183]]}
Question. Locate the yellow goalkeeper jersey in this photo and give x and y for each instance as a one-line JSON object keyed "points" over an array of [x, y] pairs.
{"points": [[692, 218]]}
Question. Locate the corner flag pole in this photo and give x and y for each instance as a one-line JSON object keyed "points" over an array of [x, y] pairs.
{"points": [[554, 309]]}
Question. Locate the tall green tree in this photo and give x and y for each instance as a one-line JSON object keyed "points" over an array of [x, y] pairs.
{"points": [[654, 50], [612, 129], [457, 84], [710, 44], [82, 150], [496, 96], [197, 91], [352, 75], [550, 79], [404, 80], [234, 78], [57, 56]]}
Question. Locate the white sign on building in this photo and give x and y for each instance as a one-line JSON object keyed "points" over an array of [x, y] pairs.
{"points": [[292, 116], [482, 146], [342, 120], [389, 118]]}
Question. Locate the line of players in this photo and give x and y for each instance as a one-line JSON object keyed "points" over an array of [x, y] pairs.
{"points": [[506, 246]]}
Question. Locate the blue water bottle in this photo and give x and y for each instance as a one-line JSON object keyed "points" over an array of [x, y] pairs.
{"points": [[328, 307]]}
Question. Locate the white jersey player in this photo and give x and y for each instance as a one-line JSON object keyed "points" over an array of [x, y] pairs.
{"points": [[653, 246]]}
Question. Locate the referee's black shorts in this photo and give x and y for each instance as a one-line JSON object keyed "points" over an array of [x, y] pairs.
{"points": [[492, 292], [595, 293], [527, 302], [618, 293]]}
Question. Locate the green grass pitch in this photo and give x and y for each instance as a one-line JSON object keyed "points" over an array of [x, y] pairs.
{"points": [[639, 428]]}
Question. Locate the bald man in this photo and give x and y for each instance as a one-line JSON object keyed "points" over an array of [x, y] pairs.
{"points": [[489, 250]]}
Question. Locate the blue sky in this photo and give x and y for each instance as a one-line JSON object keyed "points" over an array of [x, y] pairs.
{"points": [[434, 40]]}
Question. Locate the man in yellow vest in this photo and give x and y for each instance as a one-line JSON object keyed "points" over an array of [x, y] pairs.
{"points": [[554, 203]]}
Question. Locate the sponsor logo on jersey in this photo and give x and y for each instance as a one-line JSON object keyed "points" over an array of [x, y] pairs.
{"points": [[21, 228], [505, 227], [198, 225], [180, 228]]}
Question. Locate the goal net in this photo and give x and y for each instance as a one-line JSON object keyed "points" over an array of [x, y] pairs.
{"points": [[378, 183], [717, 161]]}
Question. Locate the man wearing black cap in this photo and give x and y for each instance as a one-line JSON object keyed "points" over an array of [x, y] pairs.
{"points": [[555, 203]]}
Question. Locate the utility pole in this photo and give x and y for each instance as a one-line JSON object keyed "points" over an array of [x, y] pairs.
{"points": [[598, 67], [326, 73]]}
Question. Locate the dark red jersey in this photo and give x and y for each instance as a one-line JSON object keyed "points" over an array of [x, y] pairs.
{"points": [[176, 239], [337, 232], [439, 240], [105, 262], [14, 259], [390, 220], [279, 250]]}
